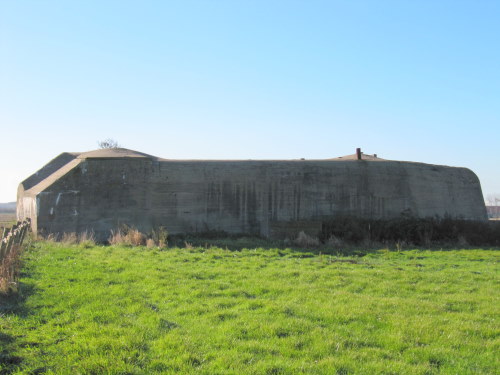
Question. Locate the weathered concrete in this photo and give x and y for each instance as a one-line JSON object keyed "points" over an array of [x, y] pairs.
{"points": [[102, 189]]}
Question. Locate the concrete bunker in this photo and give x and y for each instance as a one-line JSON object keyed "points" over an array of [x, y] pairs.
{"points": [[100, 190]]}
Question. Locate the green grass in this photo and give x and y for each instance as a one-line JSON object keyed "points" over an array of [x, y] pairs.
{"points": [[118, 310]]}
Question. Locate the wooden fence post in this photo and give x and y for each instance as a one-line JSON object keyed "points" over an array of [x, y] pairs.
{"points": [[9, 245], [3, 248], [13, 237], [4, 243], [23, 234], [11, 241]]}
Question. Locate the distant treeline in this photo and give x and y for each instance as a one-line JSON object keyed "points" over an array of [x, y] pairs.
{"points": [[414, 231]]}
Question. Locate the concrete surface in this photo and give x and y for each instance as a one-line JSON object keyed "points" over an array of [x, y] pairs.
{"points": [[99, 190]]}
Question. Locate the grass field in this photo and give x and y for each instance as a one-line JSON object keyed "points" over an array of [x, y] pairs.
{"points": [[119, 310]]}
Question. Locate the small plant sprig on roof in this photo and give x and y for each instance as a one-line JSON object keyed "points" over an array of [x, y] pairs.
{"points": [[108, 143]]}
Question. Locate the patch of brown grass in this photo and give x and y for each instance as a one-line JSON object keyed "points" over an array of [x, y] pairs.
{"points": [[127, 236], [133, 237], [335, 242], [116, 238], [304, 240], [86, 239], [69, 238], [136, 238], [160, 237]]}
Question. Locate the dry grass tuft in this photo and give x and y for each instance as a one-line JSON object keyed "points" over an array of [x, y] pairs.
{"points": [[136, 238], [304, 240], [51, 237], [87, 239], [160, 237], [127, 236], [335, 242], [69, 238], [117, 238]]}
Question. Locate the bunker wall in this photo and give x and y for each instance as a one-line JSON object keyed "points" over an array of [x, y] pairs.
{"points": [[261, 197]]}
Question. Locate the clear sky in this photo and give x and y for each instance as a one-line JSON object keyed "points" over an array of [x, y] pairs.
{"points": [[411, 80]]}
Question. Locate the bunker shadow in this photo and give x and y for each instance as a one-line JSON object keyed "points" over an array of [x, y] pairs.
{"points": [[241, 242], [343, 248]]}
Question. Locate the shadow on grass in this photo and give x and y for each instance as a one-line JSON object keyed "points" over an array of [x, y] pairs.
{"points": [[239, 242], [7, 360], [12, 305]]}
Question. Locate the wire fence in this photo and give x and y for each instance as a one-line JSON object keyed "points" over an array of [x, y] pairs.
{"points": [[10, 247]]}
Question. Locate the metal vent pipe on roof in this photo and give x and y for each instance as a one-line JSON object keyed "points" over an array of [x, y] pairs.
{"points": [[358, 153]]}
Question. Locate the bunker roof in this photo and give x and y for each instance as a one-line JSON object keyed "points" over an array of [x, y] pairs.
{"points": [[109, 153], [364, 156], [66, 161], [106, 153]]}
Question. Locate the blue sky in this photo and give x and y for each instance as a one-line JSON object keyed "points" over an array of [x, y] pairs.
{"points": [[408, 80]]}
